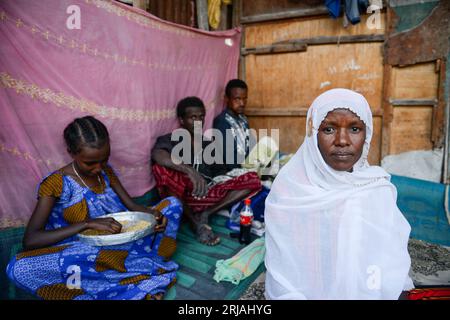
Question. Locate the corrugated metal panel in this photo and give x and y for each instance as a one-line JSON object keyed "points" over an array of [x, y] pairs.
{"points": [[178, 11]]}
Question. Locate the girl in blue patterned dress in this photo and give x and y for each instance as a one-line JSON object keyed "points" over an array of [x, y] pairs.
{"points": [[55, 265]]}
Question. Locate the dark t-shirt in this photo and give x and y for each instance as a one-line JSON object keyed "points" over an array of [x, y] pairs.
{"points": [[206, 170], [221, 123]]}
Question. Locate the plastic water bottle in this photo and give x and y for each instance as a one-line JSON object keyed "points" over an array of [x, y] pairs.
{"points": [[234, 221], [246, 218]]}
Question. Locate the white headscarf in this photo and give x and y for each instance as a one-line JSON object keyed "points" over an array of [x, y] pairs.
{"points": [[335, 234]]}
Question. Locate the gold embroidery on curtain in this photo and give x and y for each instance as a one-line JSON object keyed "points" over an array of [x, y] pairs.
{"points": [[60, 99], [27, 156], [6, 80], [86, 49]]}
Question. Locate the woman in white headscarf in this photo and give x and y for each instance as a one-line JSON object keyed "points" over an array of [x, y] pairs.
{"points": [[333, 229]]}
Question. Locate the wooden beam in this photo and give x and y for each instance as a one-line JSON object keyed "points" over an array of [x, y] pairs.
{"points": [[439, 119], [388, 110], [286, 112], [296, 45], [413, 102], [320, 10], [201, 7], [336, 39], [278, 112], [242, 62], [446, 173], [280, 48], [237, 12], [223, 23]]}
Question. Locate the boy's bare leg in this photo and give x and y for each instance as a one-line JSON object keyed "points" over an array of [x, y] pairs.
{"points": [[204, 231], [231, 198], [199, 221]]}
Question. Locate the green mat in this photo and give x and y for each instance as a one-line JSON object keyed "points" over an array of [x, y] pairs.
{"points": [[195, 276], [10, 244], [198, 262], [423, 204]]}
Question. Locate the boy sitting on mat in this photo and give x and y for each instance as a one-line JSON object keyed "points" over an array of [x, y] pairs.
{"points": [[189, 177]]}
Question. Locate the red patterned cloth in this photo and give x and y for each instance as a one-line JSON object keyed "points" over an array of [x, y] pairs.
{"points": [[179, 185], [429, 294]]}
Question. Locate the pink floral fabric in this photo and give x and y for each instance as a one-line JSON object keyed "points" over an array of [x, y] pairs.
{"points": [[62, 59]]}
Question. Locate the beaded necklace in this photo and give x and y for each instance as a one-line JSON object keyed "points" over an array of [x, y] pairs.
{"points": [[76, 172]]}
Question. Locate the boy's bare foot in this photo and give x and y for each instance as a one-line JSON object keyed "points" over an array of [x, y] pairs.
{"points": [[206, 236], [202, 231]]}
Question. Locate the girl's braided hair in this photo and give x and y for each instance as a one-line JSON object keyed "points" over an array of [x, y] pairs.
{"points": [[86, 131]]}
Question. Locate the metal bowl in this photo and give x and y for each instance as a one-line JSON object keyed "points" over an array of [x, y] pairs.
{"points": [[120, 238]]}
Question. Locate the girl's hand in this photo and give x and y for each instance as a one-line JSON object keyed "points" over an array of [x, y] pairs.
{"points": [[104, 224], [161, 221]]}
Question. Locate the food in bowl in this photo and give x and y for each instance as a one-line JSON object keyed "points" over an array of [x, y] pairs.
{"points": [[127, 226]]}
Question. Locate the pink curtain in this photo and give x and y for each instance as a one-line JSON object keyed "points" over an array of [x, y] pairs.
{"points": [[123, 66]]}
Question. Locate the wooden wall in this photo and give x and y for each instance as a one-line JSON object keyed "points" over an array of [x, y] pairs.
{"points": [[283, 85], [287, 62], [292, 51], [413, 98]]}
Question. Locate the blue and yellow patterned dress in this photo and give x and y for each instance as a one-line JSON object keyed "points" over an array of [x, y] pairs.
{"points": [[73, 270]]}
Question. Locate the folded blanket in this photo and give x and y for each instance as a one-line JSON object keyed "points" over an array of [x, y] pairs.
{"points": [[241, 265], [442, 293]]}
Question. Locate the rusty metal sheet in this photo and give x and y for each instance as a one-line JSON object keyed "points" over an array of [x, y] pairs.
{"points": [[426, 42]]}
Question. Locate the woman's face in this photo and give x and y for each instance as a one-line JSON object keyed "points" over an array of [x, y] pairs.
{"points": [[91, 161], [341, 139]]}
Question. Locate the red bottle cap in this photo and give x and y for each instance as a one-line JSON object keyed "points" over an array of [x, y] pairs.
{"points": [[247, 202]]}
